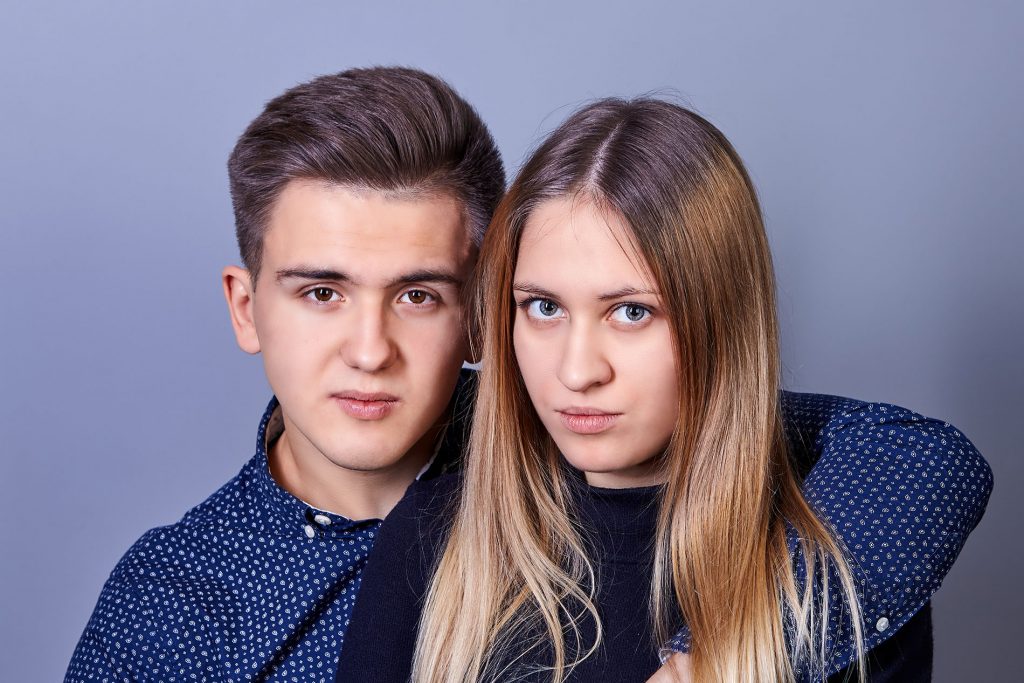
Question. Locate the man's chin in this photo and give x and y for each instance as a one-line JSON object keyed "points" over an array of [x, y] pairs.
{"points": [[368, 462]]}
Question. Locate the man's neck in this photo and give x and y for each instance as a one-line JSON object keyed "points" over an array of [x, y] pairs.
{"points": [[356, 494]]}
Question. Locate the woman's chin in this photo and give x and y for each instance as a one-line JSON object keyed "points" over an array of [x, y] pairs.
{"points": [[612, 470]]}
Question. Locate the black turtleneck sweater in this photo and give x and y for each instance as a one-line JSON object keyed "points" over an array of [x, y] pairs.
{"points": [[619, 524]]}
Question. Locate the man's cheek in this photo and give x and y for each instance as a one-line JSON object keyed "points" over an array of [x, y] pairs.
{"points": [[435, 345]]}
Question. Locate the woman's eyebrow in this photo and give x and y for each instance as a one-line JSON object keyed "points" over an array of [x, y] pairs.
{"points": [[627, 292], [623, 292], [535, 290]]}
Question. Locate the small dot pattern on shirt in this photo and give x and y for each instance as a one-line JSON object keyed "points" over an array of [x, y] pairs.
{"points": [[901, 491], [238, 590]]}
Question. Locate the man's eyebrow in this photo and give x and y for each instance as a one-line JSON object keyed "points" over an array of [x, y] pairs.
{"points": [[425, 275], [304, 273]]}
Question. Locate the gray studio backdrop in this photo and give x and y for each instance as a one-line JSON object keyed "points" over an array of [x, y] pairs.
{"points": [[885, 140]]}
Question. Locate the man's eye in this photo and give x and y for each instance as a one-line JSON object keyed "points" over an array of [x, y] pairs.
{"points": [[630, 314], [323, 295], [543, 308], [417, 297]]}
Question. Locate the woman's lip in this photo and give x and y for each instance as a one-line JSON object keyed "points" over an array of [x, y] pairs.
{"points": [[587, 420], [366, 396], [366, 406]]}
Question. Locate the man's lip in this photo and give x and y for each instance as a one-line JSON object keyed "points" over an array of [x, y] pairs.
{"points": [[368, 407]]}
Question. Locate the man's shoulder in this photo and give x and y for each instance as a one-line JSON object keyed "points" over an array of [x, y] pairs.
{"points": [[168, 596], [187, 549], [228, 505]]}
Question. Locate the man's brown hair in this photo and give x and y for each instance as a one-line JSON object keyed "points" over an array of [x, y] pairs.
{"points": [[389, 129]]}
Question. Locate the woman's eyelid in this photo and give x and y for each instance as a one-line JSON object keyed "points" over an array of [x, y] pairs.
{"points": [[647, 306], [528, 301], [528, 305], [648, 309]]}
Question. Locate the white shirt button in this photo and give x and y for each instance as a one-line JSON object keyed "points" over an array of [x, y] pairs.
{"points": [[310, 531], [322, 519], [881, 625]]}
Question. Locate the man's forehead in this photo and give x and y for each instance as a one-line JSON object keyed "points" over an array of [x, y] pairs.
{"points": [[376, 234]]}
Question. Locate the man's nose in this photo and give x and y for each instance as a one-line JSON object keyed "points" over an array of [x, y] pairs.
{"points": [[368, 344]]}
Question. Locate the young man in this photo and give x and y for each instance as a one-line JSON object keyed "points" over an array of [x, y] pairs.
{"points": [[360, 199]]}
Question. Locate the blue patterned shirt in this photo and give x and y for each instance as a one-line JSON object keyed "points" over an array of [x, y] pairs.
{"points": [[252, 584], [255, 585]]}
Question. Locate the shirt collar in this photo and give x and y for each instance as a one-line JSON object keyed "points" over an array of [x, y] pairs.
{"points": [[291, 514]]}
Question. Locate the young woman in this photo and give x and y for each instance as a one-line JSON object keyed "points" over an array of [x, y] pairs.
{"points": [[629, 472]]}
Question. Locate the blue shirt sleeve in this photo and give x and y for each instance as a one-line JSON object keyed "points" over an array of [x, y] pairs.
{"points": [[149, 624], [902, 493]]}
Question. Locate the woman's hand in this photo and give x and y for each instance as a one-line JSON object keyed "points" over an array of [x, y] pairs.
{"points": [[675, 670]]}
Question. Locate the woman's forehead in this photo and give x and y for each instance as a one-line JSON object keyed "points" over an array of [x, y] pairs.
{"points": [[576, 245]]}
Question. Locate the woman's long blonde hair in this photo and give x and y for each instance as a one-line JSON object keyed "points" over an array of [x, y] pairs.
{"points": [[515, 578]]}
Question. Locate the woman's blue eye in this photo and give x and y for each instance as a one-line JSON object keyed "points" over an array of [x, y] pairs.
{"points": [[631, 313], [543, 308]]}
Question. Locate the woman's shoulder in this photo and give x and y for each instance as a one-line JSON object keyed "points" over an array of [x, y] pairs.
{"points": [[428, 498], [420, 521], [395, 581]]}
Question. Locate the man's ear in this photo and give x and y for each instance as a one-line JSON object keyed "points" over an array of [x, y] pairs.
{"points": [[238, 291]]}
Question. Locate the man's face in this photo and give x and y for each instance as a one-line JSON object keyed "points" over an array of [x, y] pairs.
{"points": [[357, 315]]}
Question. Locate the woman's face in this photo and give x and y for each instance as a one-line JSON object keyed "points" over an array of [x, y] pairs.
{"points": [[593, 343]]}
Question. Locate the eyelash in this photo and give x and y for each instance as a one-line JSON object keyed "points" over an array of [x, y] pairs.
{"points": [[622, 307], [434, 299], [310, 294], [526, 304]]}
